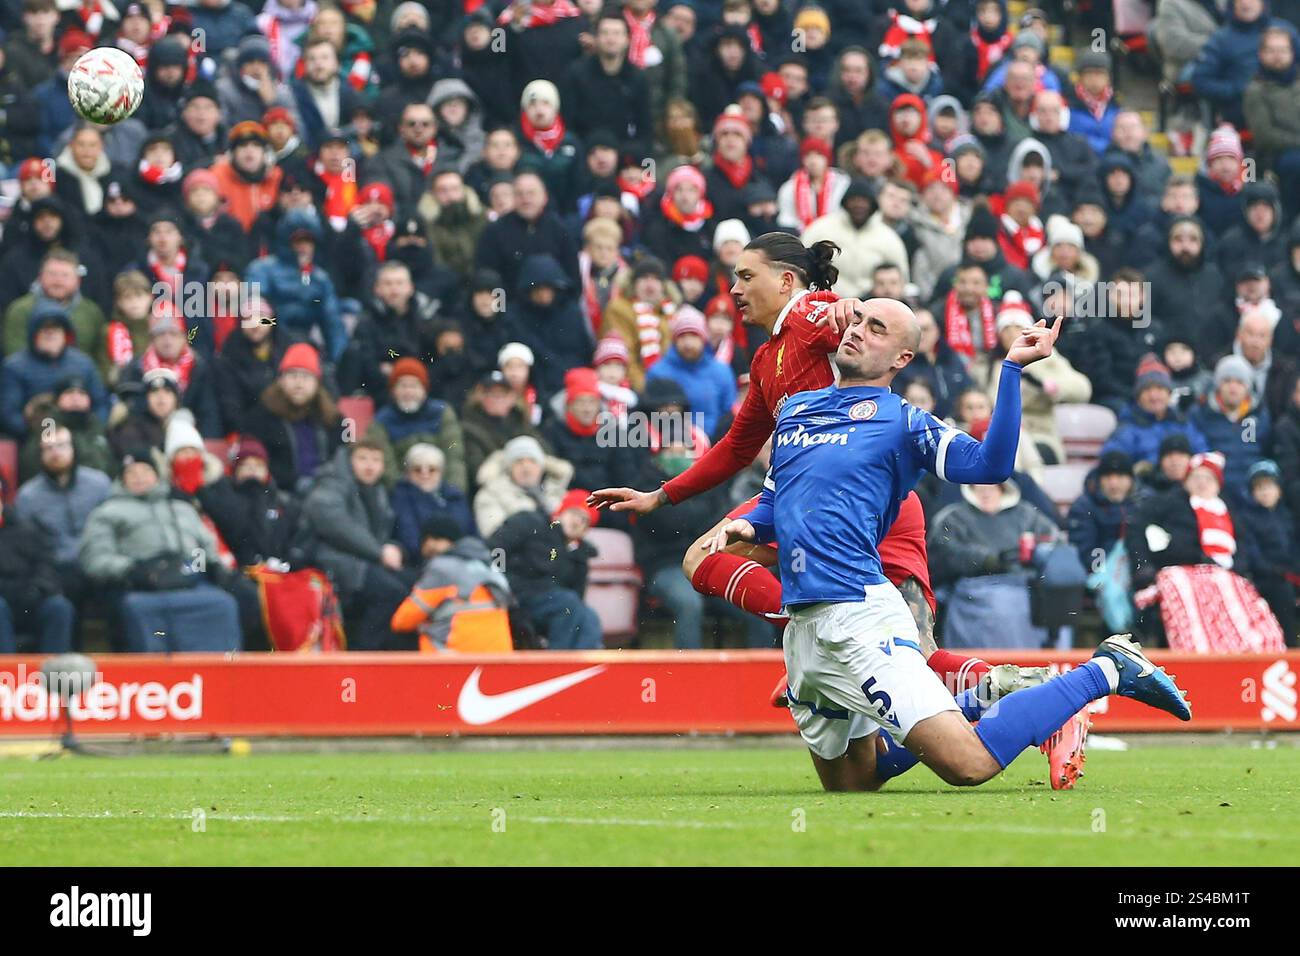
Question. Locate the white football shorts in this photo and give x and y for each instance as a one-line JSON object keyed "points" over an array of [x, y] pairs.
{"points": [[857, 667]]}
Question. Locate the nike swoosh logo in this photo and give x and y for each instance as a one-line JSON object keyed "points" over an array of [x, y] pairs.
{"points": [[477, 708]]}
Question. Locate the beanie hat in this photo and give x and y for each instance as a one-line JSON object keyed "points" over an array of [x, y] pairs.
{"points": [[139, 456], [610, 349], [811, 144], [181, 433], [32, 168], [1061, 230], [247, 132], [163, 318], [728, 230], [690, 267], [381, 193], [250, 447], [540, 90], [1232, 367], [157, 378], [1224, 141], [1093, 60], [684, 174], [407, 365], [441, 524], [521, 447], [1115, 463], [198, 178], [1174, 442], [1022, 189], [983, 224], [579, 382], [1212, 460], [75, 41], [722, 302], [965, 143], [1014, 312], [253, 48], [515, 350], [689, 321], [279, 114], [1264, 468], [648, 266], [1027, 38], [732, 120], [576, 498], [1152, 372], [302, 356], [812, 18]]}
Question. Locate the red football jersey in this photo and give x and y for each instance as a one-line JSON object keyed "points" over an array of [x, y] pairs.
{"points": [[797, 358]]}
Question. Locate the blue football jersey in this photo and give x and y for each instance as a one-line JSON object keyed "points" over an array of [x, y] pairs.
{"points": [[843, 459]]}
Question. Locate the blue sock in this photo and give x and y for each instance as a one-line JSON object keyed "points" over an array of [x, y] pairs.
{"points": [[1030, 716], [897, 759], [972, 705]]}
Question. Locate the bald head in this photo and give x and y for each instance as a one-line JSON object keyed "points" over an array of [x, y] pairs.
{"points": [[1255, 335], [879, 342]]}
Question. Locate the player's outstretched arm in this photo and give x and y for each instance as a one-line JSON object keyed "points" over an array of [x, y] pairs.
{"points": [[628, 499]]}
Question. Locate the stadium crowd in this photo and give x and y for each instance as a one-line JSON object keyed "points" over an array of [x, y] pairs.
{"points": [[484, 238]]}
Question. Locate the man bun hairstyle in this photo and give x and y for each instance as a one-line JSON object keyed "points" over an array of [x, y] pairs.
{"points": [[811, 265]]}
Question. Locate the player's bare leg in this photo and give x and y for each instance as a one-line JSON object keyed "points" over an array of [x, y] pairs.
{"points": [[855, 771], [947, 744]]}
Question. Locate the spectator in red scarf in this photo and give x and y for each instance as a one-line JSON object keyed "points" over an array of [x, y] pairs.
{"points": [[610, 361], [574, 437], [602, 266], [158, 175], [547, 145], [1020, 233], [910, 130], [691, 273], [606, 90], [408, 163], [169, 349], [918, 19], [335, 172], [989, 41], [127, 333], [1220, 183], [814, 190], [373, 213], [681, 222], [969, 320], [640, 315], [731, 168]]}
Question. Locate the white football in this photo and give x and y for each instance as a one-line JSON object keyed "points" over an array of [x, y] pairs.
{"points": [[105, 85]]}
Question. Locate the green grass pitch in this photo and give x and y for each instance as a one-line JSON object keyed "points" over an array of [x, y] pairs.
{"points": [[1150, 805]]}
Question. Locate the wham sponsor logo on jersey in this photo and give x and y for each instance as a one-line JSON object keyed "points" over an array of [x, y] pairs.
{"points": [[802, 438]]}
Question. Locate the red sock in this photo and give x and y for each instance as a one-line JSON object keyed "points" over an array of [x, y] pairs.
{"points": [[958, 671], [745, 583]]}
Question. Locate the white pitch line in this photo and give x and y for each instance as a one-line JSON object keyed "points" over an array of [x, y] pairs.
{"points": [[881, 828]]}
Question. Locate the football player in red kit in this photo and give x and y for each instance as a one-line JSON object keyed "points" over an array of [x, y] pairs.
{"points": [[783, 287]]}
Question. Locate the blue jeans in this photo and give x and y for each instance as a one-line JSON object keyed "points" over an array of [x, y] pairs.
{"points": [[51, 622], [687, 606], [569, 625]]}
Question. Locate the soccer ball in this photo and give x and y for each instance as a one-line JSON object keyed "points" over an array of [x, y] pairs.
{"points": [[105, 85]]}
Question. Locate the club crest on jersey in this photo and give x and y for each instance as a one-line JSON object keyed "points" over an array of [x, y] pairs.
{"points": [[780, 358], [863, 410]]}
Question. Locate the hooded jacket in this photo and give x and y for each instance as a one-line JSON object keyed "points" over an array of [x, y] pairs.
{"points": [[1133, 211], [861, 250], [462, 145], [30, 373], [1241, 245], [454, 230], [1096, 523], [302, 299], [558, 334], [1241, 444], [485, 435], [1271, 104], [1187, 298], [61, 511], [281, 429], [499, 497], [914, 169]]}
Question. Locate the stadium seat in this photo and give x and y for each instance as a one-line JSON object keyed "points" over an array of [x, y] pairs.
{"points": [[613, 584], [1083, 430], [9, 467], [359, 408], [1064, 483]]}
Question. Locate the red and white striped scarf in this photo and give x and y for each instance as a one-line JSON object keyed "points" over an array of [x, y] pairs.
{"points": [[172, 276], [1019, 243], [183, 365], [988, 53], [1096, 105], [359, 72], [547, 140], [377, 237], [120, 348], [1209, 610], [649, 338], [1217, 535], [539, 16], [956, 325], [424, 158], [92, 17], [340, 195], [807, 206], [639, 37]]}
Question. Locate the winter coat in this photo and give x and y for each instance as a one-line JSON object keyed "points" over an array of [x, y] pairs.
{"points": [[1150, 170], [669, 241], [277, 425], [1272, 112], [787, 216], [1188, 300], [301, 300], [87, 323], [239, 104], [61, 511], [939, 247], [1072, 157], [81, 190], [129, 528], [27, 573], [507, 242], [1171, 511], [454, 231], [414, 508], [709, 385], [499, 497], [538, 558], [1286, 452], [1229, 60], [89, 440], [485, 435], [1180, 29], [965, 542], [381, 335], [1241, 444], [1107, 352], [1273, 534], [348, 536], [395, 166], [245, 198], [1242, 246], [619, 103], [1038, 408], [1096, 523], [199, 396], [620, 320], [1219, 209], [558, 334], [257, 521], [240, 376], [561, 171], [861, 250], [433, 423], [224, 26], [313, 124], [594, 464], [1139, 434], [540, 51], [945, 374], [28, 373]]}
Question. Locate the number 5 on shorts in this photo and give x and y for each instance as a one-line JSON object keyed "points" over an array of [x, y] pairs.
{"points": [[878, 697]]}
